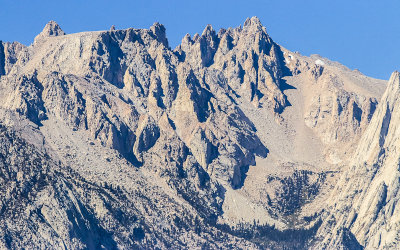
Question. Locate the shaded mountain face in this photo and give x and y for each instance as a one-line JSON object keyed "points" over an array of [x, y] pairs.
{"points": [[112, 139]]}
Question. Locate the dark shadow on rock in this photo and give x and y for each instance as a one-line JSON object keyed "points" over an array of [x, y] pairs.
{"points": [[138, 234], [131, 158], [200, 97], [281, 60], [243, 175], [357, 112], [285, 86], [349, 240], [262, 151], [2, 59]]}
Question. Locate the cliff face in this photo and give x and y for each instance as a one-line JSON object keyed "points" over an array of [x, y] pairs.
{"points": [[8, 55], [227, 140], [366, 198]]}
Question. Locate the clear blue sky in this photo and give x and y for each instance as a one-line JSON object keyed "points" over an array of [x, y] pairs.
{"points": [[360, 34]]}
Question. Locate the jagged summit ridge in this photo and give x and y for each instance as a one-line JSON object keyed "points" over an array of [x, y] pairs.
{"points": [[159, 31], [245, 56], [50, 29], [255, 23]]}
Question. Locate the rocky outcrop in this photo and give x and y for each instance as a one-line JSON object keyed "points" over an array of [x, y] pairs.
{"points": [[50, 30], [249, 59], [9, 53], [26, 98], [203, 150], [147, 134], [337, 105], [111, 139], [340, 116], [366, 194]]}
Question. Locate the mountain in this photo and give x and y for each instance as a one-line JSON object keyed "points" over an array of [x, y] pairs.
{"points": [[112, 139], [365, 200]]}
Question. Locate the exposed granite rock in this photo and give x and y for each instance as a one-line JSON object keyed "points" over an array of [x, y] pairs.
{"points": [[228, 141], [51, 29], [147, 134], [365, 197], [9, 53], [250, 60]]}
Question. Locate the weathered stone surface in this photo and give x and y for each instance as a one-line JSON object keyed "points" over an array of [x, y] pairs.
{"points": [[368, 188], [51, 29], [111, 139], [9, 53]]}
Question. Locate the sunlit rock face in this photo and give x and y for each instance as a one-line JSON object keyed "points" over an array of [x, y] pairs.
{"points": [[112, 139]]}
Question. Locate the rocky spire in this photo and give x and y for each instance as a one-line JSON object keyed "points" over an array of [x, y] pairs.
{"points": [[376, 136], [208, 31], [159, 31], [254, 21], [254, 24], [208, 45], [51, 29]]}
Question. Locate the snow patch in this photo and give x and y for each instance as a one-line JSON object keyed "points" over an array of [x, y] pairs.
{"points": [[289, 58], [319, 62]]}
